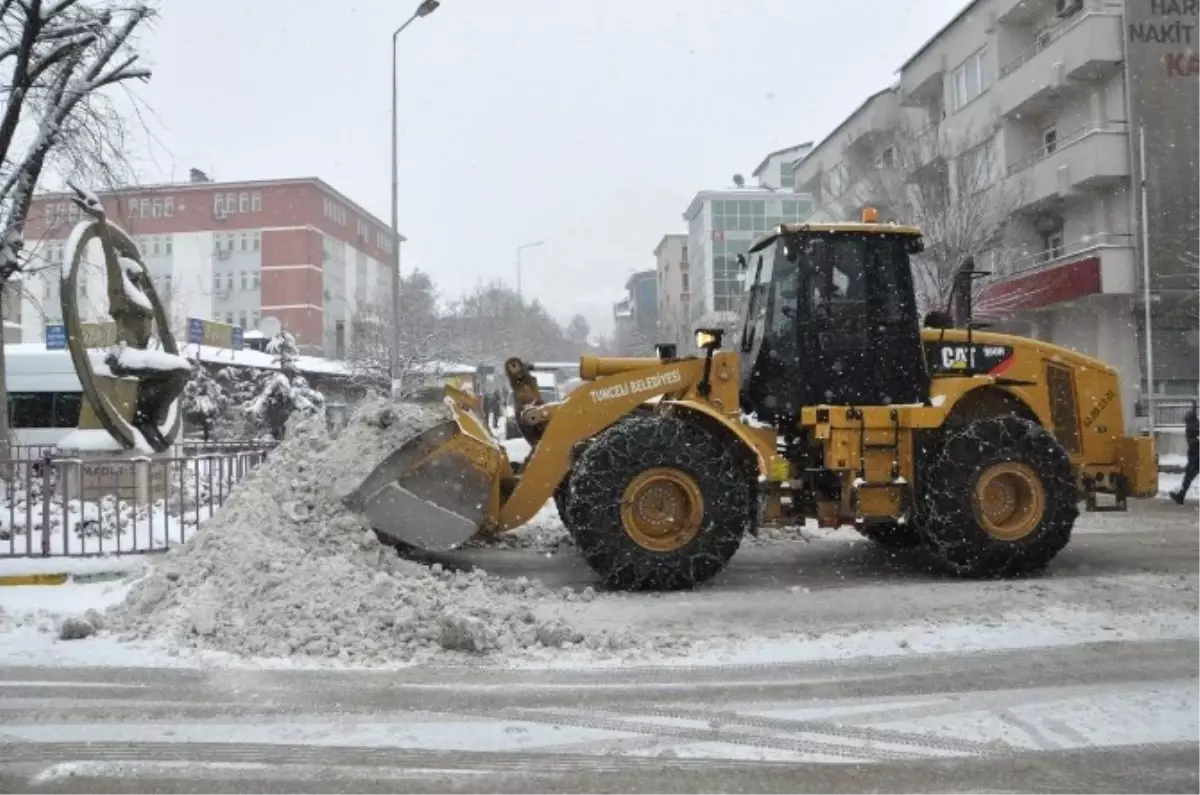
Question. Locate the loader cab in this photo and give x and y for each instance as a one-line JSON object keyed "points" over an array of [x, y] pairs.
{"points": [[831, 317]]}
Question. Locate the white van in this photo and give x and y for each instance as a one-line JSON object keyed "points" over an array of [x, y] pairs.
{"points": [[548, 386], [44, 394]]}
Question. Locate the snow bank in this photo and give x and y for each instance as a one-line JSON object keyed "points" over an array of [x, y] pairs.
{"points": [[283, 569]]}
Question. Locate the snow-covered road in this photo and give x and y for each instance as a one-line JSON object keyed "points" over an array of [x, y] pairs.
{"points": [[827, 666]]}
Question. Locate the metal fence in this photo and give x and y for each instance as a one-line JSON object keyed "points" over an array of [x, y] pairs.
{"points": [[53, 506]]}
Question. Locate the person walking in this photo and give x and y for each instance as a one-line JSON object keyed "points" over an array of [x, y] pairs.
{"points": [[1191, 432]]}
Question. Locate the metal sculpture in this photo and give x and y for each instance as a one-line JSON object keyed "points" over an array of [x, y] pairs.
{"points": [[137, 402]]}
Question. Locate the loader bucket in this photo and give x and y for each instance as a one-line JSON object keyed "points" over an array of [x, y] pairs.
{"points": [[436, 491]]}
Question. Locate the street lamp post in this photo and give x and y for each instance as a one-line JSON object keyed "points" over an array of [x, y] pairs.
{"points": [[521, 248], [426, 8]]}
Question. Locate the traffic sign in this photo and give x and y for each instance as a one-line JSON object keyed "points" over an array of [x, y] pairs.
{"points": [[56, 337]]}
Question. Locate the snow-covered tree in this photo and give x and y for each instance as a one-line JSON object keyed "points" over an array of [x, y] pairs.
{"points": [[283, 392], [58, 59], [284, 352], [204, 402], [280, 397]]}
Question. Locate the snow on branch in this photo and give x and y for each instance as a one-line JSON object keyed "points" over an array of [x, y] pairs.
{"points": [[55, 60]]}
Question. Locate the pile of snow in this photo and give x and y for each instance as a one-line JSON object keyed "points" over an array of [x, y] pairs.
{"points": [[283, 569]]}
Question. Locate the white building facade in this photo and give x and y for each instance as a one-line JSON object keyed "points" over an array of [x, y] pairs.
{"points": [[1023, 107], [671, 264]]}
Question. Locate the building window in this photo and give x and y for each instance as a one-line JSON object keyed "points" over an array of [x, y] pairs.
{"points": [[787, 177], [242, 319], [169, 206], [1052, 245], [256, 280], [244, 242], [245, 280], [979, 167], [243, 202], [144, 208], [838, 180], [969, 80], [739, 216], [255, 240], [229, 318], [231, 206], [216, 282], [167, 283], [255, 317], [229, 282], [1049, 140], [132, 206], [218, 205], [156, 208], [255, 201], [168, 244]]}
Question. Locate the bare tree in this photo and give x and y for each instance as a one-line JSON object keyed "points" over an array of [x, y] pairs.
{"points": [[950, 184], [57, 58], [368, 354]]}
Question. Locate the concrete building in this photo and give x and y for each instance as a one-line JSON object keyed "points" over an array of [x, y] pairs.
{"points": [[1034, 110], [775, 170], [235, 252], [721, 225], [671, 264], [636, 316]]}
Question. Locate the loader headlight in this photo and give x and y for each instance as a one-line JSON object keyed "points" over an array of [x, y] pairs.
{"points": [[708, 339]]}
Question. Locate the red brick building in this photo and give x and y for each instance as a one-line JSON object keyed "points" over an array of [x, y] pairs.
{"points": [[237, 252]]}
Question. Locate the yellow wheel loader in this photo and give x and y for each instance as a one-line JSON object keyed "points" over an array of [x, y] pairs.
{"points": [[837, 406]]}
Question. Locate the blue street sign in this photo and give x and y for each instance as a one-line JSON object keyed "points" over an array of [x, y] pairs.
{"points": [[195, 331], [238, 338], [56, 337]]}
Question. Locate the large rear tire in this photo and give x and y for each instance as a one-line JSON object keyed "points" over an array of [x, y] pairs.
{"points": [[666, 503], [999, 499]]}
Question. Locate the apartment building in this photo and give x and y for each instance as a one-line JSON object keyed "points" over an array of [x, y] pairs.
{"points": [[724, 223], [671, 265], [775, 170], [1021, 122], [235, 252], [635, 318]]}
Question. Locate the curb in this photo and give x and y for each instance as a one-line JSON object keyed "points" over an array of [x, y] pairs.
{"points": [[34, 579], [60, 578]]}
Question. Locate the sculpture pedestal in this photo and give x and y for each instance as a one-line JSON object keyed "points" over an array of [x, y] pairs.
{"points": [[130, 477]]}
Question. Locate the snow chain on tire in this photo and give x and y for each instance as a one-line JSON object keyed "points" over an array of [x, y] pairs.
{"points": [[950, 526], [631, 448]]}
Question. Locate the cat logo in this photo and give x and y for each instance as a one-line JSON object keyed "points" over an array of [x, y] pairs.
{"points": [[993, 359]]}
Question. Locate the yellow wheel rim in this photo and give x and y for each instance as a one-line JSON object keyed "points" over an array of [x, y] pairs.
{"points": [[1009, 500], [662, 509]]}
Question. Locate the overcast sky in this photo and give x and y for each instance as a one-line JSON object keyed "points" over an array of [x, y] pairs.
{"points": [[589, 125]]}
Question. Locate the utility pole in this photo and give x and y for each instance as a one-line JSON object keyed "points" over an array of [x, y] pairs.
{"points": [[426, 8]]}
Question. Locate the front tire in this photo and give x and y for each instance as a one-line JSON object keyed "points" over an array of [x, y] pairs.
{"points": [[666, 503], [999, 499]]}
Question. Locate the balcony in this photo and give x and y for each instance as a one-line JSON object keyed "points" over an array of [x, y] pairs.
{"points": [[1086, 47], [921, 80], [1102, 264], [1092, 157]]}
